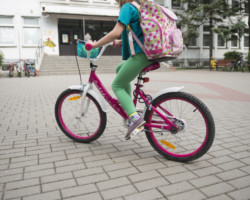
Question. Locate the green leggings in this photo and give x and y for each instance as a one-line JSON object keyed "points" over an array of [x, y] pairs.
{"points": [[126, 72]]}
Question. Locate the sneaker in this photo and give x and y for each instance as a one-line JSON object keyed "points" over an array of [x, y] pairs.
{"points": [[133, 128]]}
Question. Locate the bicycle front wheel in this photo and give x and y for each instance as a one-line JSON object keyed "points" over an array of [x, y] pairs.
{"points": [[195, 124], [84, 125]]}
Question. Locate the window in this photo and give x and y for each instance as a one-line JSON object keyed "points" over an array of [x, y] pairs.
{"points": [[98, 29], [7, 33], [221, 41], [235, 5], [176, 3], [31, 31], [192, 42], [206, 2], [100, 1], [246, 41], [206, 36], [234, 41], [161, 2], [246, 7]]}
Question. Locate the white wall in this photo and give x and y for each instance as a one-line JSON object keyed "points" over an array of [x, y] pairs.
{"points": [[19, 9], [50, 32], [49, 29]]}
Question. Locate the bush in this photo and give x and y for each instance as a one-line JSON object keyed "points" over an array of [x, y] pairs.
{"points": [[248, 57], [232, 55], [1, 59]]}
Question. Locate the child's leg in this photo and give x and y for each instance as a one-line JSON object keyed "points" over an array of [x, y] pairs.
{"points": [[128, 86], [129, 70]]}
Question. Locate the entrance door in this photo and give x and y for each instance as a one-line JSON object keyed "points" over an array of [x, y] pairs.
{"points": [[69, 31], [98, 29]]}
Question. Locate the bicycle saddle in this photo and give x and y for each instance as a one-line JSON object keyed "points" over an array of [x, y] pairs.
{"points": [[151, 67]]}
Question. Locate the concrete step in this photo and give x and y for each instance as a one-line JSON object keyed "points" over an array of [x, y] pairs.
{"points": [[61, 65]]}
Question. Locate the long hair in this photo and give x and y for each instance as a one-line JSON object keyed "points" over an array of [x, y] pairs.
{"points": [[121, 2]]}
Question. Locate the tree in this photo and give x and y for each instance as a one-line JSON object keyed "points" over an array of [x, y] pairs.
{"points": [[211, 13], [236, 27], [1, 59]]}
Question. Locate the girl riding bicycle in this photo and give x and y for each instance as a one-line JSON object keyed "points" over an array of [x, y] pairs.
{"points": [[132, 66], [178, 125]]}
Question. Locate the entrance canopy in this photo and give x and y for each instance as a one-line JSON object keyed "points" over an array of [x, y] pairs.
{"points": [[80, 10]]}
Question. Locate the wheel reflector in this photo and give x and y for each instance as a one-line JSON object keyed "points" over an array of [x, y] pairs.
{"points": [[74, 98], [168, 144]]}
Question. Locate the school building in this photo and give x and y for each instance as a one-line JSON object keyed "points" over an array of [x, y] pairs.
{"points": [[31, 28]]}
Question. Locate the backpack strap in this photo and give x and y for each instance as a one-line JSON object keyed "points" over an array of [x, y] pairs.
{"points": [[135, 4], [132, 35]]}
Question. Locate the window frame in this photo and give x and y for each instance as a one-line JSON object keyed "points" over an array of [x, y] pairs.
{"points": [[196, 42], [205, 32], [38, 26], [161, 3], [237, 40], [225, 42], [178, 6], [245, 36], [14, 44]]}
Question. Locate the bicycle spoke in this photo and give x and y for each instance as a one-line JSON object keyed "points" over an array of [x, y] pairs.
{"points": [[192, 133], [82, 127]]}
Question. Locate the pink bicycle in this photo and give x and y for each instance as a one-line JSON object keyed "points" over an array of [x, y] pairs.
{"points": [[179, 126]]}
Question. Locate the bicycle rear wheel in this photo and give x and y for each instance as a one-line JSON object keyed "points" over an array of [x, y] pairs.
{"points": [[195, 123], [242, 67], [85, 127], [230, 67]]}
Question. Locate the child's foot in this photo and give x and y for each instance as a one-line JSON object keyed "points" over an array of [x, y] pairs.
{"points": [[135, 125]]}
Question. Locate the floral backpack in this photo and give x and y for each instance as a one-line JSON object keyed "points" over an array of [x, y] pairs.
{"points": [[162, 39]]}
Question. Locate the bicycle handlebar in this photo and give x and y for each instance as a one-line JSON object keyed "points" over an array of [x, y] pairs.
{"points": [[88, 47]]}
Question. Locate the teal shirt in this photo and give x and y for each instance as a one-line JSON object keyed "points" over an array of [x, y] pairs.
{"points": [[129, 15]]}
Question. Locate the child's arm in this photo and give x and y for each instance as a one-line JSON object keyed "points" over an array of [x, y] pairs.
{"points": [[111, 36], [117, 43]]}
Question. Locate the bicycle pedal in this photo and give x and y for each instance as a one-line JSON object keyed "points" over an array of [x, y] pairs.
{"points": [[136, 132]]}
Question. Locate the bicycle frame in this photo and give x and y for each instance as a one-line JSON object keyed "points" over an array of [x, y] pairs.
{"points": [[114, 103]]}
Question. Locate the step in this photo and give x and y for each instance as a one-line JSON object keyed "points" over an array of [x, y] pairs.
{"points": [[61, 65]]}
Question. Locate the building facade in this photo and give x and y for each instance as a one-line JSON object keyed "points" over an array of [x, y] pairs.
{"points": [[57, 24]]}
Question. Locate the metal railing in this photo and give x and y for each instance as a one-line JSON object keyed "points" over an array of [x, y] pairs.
{"points": [[39, 54]]}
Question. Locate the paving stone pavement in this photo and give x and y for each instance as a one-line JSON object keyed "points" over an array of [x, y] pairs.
{"points": [[37, 161]]}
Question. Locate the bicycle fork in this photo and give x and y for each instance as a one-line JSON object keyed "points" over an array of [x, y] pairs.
{"points": [[84, 108]]}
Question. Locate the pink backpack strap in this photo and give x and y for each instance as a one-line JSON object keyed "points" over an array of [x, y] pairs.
{"points": [[135, 4], [132, 35], [131, 45], [137, 40]]}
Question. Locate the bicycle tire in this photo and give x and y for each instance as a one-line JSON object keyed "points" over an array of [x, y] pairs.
{"points": [[180, 141], [82, 129], [242, 67], [229, 67]]}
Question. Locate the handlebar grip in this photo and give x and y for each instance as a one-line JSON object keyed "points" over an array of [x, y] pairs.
{"points": [[88, 47]]}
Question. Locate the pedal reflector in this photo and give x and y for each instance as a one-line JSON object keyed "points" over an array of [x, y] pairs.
{"points": [[139, 128], [74, 98], [168, 144]]}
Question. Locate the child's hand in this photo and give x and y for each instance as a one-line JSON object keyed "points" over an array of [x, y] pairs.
{"points": [[90, 42], [117, 43]]}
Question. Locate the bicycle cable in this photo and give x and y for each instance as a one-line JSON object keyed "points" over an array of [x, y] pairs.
{"points": [[79, 71]]}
